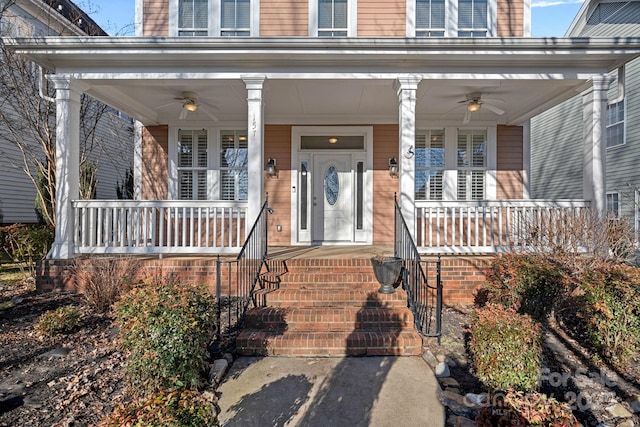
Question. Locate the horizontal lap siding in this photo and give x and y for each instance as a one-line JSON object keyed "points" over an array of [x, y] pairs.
{"points": [[155, 147], [277, 145], [510, 18], [284, 18], [385, 145], [381, 18], [509, 163], [156, 18]]}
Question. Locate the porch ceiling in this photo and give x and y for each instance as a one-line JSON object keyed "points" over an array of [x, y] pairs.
{"points": [[329, 81]]}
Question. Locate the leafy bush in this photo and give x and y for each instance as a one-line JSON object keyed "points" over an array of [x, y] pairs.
{"points": [[103, 279], [520, 409], [166, 327], [26, 244], [62, 320], [184, 408], [529, 284], [607, 300], [506, 348]]}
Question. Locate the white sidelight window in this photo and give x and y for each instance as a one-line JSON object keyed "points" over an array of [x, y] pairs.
{"points": [[193, 17], [473, 18], [429, 164], [193, 164], [236, 18], [333, 18], [472, 163], [233, 165], [430, 18]]}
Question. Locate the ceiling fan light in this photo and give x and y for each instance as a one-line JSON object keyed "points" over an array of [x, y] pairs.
{"points": [[473, 106], [190, 106]]}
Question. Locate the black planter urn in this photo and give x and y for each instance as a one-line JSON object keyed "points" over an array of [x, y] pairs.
{"points": [[387, 271]]}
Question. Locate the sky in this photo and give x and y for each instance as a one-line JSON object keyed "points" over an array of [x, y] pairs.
{"points": [[549, 18]]}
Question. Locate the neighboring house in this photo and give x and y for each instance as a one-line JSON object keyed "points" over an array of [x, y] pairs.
{"points": [[319, 103], [556, 135], [112, 151]]}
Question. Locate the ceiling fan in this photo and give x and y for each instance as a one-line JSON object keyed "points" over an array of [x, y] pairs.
{"points": [[190, 104], [475, 101]]}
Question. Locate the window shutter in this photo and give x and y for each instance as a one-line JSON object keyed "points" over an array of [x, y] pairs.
{"points": [[185, 150], [185, 178], [202, 150]]}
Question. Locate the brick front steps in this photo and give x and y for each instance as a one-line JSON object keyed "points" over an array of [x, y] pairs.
{"points": [[329, 307]]}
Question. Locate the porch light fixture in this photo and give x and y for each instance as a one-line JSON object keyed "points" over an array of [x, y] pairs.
{"points": [[271, 167], [393, 167], [333, 140], [473, 106], [190, 105]]}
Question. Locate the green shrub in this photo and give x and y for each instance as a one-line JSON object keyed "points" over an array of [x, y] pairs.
{"points": [[26, 244], [520, 409], [506, 348], [166, 328], [62, 320], [609, 305], [184, 408], [529, 284]]}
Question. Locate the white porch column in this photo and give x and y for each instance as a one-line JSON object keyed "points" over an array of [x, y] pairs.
{"points": [[137, 160], [594, 115], [255, 142], [406, 88], [67, 163]]}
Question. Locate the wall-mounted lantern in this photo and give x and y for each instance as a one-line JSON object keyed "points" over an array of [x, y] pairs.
{"points": [[393, 167], [271, 167]]}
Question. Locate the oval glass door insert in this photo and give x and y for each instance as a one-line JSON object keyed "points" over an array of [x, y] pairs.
{"points": [[331, 185]]}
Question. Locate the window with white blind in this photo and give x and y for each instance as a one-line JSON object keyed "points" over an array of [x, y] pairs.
{"points": [[615, 124], [472, 18], [472, 164], [430, 18], [613, 204], [236, 18], [429, 164], [233, 165], [193, 17], [192, 164], [332, 18]]}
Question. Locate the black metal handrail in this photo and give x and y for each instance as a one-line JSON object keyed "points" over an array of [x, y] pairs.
{"points": [[420, 295], [239, 277]]}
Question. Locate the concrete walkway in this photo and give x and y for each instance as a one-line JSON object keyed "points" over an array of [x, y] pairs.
{"points": [[330, 392]]}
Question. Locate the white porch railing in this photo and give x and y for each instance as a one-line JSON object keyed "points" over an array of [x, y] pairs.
{"points": [[495, 226], [159, 226]]}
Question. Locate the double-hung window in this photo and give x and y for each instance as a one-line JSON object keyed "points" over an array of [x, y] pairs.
{"points": [[233, 165], [472, 164], [193, 17], [615, 124], [429, 165], [193, 164], [236, 18], [332, 18], [430, 21], [472, 18], [613, 204]]}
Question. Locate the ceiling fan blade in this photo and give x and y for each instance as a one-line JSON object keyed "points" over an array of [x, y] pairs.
{"points": [[183, 114], [493, 108], [208, 113], [467, 117], [164, 105]]}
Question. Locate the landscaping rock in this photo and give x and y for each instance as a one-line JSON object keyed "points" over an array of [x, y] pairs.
{"points": [[634, 403], [458, 404], [430, 359], [619, 411], [17, 300], [228, 357], [218, 370], [54, 354], [442, 370], [626, 423], [477, 399], [465, 422], [449, 382]]}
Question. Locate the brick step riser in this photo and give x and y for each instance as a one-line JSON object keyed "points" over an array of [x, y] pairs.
{"points": [[290, 303], [356, 343], [351, 279], [333, 326]]}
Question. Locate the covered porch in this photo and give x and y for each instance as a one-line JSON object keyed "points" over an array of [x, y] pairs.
{"points": [[442, 123]]}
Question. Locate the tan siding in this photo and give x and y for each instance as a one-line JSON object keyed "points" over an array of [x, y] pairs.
{"points": [[156, 18], [381, 18], [509, 176], [277, 144], [510, 18], [284, 18], [155, 147], [385, 145]]}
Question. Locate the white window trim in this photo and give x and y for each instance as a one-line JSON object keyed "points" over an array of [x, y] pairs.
{"points": [[450, 176], [214, 24], [352, 18]]}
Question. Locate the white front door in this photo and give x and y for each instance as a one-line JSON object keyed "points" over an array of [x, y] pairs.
{"points": [[333, 198]]}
